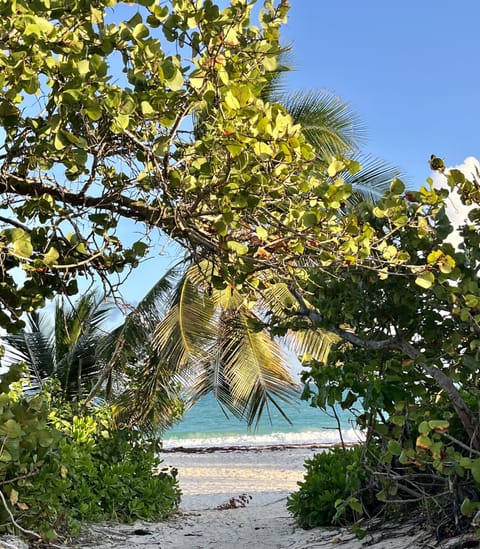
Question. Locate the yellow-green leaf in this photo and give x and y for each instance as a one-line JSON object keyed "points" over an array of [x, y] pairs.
{"points": [[51, 256], [13, 496], [262, 233], [335, 167], [146, 108], [425, 280], [21, 243], [397, 186], [262, 149], [237, 247], [231, 101], [176, 81]]}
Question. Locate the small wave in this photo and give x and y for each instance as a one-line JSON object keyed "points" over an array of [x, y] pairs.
{"points": [[324, 437]]}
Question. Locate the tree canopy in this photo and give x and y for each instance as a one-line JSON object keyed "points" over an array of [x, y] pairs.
{"points": [[98, 120]]}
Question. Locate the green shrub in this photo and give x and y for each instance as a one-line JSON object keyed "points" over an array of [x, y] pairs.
{"points": [[329, 487], [111, 475], [58, 469]]}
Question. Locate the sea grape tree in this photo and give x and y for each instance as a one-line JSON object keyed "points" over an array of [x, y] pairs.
{"points": [[408, 351], [155, 119]]}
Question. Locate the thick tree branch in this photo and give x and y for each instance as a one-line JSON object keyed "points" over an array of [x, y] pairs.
{"points": [[164, 219]]}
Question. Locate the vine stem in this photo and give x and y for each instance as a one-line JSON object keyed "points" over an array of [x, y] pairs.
{"points": [[337, 419]]}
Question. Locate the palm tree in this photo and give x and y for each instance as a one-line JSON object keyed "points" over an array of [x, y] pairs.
{"points": [[65, 346]]}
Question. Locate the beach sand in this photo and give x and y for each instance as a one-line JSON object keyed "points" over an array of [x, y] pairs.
{"points": [[237, 498]]}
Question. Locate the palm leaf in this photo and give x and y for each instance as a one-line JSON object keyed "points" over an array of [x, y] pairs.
{"points": [[248, 371], [316, 343], [327, 122], [151, 400], [33, 347], [189, 326], [372, 181], [138, 327]]}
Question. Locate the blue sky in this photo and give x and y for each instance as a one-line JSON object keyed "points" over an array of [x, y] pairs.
{"points": [[410, 71]]}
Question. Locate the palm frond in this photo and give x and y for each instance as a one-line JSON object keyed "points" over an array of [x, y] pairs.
{"points": [[151, 400], [327, 122], [33, 348], [187, 330], [316, 343], [249, 370], [139, 325], [372, 181]]}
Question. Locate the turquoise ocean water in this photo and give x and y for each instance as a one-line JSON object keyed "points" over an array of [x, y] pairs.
{"points": [[206, 426]]}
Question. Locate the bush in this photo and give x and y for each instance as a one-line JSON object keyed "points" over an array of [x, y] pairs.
{"points": [[328, 490], [58, 469], [111, 474]]}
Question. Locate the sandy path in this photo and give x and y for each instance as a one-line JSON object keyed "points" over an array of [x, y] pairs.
{"points": [[265, 478]]}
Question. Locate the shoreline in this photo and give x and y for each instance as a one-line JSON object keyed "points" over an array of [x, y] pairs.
{"points": [[254, 447]]}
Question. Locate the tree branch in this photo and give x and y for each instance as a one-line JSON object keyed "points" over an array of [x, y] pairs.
{"points": [[465, 414]]}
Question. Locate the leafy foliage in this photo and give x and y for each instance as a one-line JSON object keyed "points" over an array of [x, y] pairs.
{"points": [[111, 473], [408, 357], [58, 469], [331, 478]]}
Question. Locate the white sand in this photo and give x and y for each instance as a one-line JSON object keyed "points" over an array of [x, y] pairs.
{"points": [[209, 481]]}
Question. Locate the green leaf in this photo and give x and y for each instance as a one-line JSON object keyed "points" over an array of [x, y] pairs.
{"points": [[22, 244], [5, 456], [231, 101], [397, 186], [262, 233], [355, 504], [398, 420], [468, 507], [140, 31], [262, 149], [146, 108], [270, 63], [221, 227], [93, 111], [120, 123], [476, 470], [11, 429], [234, 148], [83, 67], [394, 447], [309, 219], [424, 428], [196, 81], [425, 280], [423, 442], [60, 141], [51, 256], [439, 425], [335, 167], [237, 247]]}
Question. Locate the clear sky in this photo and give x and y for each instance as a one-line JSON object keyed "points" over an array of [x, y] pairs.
{"points": [[410, 70]]}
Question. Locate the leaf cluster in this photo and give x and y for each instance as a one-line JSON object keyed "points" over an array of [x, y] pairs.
{"points": [[331, 477], [58, 470]]}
